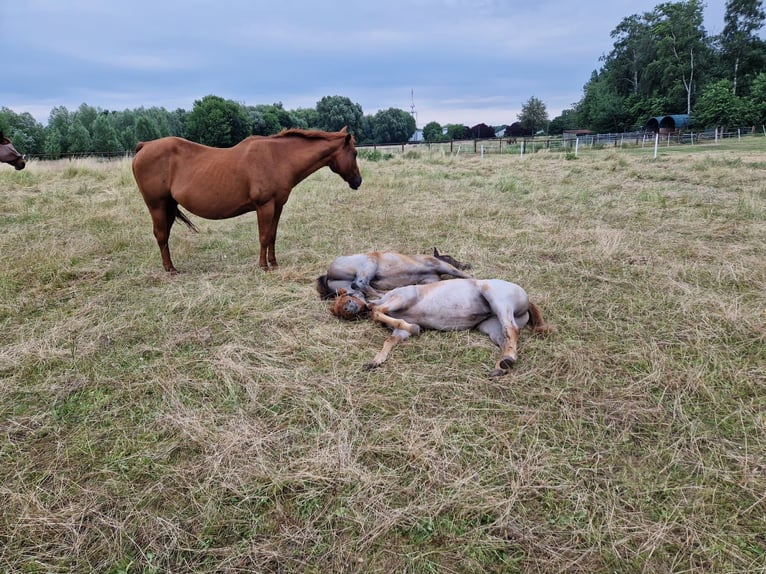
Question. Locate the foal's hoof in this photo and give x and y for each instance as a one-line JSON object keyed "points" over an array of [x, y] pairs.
{"points": [[506, 362], [498, 372], [370, 366]]}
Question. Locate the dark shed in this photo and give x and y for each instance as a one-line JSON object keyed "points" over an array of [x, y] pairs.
{"points": [[668, 124]]}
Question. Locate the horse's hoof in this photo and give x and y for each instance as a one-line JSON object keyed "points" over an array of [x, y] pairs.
{"points": [[498, 373], [506, 362], [371, 366]]}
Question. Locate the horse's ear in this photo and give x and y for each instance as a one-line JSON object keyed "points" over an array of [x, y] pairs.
{"points": [[436, 252], [344, 129]]}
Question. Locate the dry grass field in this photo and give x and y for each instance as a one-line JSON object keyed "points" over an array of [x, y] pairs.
{"points": [[220, 420]]}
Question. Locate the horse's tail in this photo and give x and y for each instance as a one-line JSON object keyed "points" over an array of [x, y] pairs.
{"points": [[323, 288], [180, 215], [536, 320]]}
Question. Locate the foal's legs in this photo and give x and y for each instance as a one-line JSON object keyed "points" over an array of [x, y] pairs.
{"points": [[505, 337], [403, 298], [391, 341]]}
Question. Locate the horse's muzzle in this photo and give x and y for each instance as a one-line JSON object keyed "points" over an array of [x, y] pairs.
{"points": [[355, 182], [21, 164]]}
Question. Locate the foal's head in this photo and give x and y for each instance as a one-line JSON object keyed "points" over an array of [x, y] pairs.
{"points": [[349, 307], [9, 155], [343, 161]]}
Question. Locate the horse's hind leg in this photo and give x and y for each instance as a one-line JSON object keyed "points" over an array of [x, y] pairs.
{"points": [[163, 216]]}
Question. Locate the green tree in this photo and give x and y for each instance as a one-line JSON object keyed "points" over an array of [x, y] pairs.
{"points": [[602, 109], [718, 106], [568, 120], [217, 122], [533, 116], [145, 128], [307, 118], [393, 126], [87, 116], [79, 138], [682, 50], [757, 98], [271, 119], [432, 132], [634, 48], [53, 143], [28, 134], [105, 138], [60, 120], [335, 112], [742, 51], [457, 131]]}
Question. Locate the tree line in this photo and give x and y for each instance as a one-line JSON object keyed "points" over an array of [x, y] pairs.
{"points": [[662, 62], [213, 121]]}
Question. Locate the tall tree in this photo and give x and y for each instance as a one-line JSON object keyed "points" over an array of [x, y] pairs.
{"points": [[393, 126], [634, 49], [533, 115], [79, 137], [105, 138], [432, 132], [742, 51], [682, 48], [336, 112], [217, 122], [718, 106]]}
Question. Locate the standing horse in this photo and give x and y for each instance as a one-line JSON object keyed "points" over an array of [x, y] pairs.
{"points": [[9, 155], [497, 308], [257, 174], [367, 274]]}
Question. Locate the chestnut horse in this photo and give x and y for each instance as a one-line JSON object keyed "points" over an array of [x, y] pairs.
{"points": [[257, 174], [367, 274], [9, 155], [497, 308]]}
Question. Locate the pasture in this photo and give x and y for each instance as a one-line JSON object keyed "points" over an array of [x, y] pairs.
{"points": [[220, 420]]}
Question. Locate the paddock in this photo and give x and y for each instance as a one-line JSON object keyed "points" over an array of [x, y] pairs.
{"points": [[220, 420]]}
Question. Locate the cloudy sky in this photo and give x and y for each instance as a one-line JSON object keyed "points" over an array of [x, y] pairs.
{"points": [[467, 61]]}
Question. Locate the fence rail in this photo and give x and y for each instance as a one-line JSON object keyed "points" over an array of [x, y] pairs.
{"points": [[520, 146], [572, 143]]}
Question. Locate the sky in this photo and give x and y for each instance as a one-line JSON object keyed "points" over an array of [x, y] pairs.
{"points": [[459, 61]]}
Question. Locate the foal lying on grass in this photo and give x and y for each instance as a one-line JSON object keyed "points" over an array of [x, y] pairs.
{"points": [[497, 308], [369, 274]]}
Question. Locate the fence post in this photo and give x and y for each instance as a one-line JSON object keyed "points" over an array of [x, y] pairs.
{"points": [[656, 143]]}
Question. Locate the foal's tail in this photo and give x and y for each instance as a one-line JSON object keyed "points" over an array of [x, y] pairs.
{"points": [[323, 288], [536, 320]]}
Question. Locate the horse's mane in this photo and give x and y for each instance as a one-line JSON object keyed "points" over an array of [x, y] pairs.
{"points": [[308, 134]]}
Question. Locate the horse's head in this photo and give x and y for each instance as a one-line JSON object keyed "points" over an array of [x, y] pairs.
{"points": [[343, 161], [9, 155]]}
